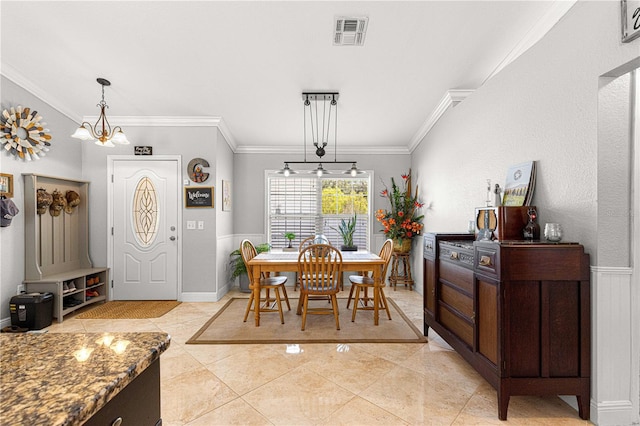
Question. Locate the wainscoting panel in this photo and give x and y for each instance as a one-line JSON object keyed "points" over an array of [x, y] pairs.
{"points": [[612, 358]]}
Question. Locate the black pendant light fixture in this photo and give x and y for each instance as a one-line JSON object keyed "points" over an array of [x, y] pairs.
{"points": [[320, 123]]}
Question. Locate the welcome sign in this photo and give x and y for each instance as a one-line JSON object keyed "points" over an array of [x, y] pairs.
{"points": [[198, 196]]}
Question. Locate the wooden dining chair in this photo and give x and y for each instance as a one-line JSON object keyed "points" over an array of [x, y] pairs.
{"points": [[363, 282], [304, 244], [248, 252], [320, 271]]}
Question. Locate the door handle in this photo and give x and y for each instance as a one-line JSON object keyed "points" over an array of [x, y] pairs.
{"points": [[172, 238]]}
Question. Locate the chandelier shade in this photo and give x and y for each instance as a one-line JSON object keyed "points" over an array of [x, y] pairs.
{"points": [[320, 114], [101, 131]]}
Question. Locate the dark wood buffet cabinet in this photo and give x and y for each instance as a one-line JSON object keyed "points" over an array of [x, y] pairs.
{"points": [[517, 311]]}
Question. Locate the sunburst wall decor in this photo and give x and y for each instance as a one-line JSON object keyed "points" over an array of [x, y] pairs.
{"points": [[23, 135]]}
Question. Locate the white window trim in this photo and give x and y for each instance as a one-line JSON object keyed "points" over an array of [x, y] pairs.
{"points": [[333, 173]]}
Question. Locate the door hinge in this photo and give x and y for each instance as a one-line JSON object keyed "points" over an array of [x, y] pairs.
{"points": [[112, 230], [111, 283], [111, 178]]}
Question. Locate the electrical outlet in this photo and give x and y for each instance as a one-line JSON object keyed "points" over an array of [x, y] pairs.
{"points": [[201, 224], [186, 182], [191, 224]]}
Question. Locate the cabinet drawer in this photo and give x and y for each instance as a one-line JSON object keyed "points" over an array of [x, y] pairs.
{"points": [[457, 276], [456, 325], [457, 300], [457, 253], [486, 260], [429, 250]]}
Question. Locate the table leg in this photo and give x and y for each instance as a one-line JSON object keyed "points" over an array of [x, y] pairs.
{"points": [[256, 293], [376, 294]]}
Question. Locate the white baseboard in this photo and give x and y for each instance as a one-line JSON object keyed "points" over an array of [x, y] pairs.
{"points": [[199, 297], [612, 413], [5, 322]]}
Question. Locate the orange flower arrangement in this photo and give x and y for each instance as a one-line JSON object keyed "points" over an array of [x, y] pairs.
{"points": [[401, 221]]}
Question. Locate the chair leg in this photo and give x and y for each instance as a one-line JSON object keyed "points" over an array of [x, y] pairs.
{"points": [[246, 313], [279, 302], [300, 302], [350, 294], [305, 302], [286, 297], [336, 313], [383, 301], [355, 304]]}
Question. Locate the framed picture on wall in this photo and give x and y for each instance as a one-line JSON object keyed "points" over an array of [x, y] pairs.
{"points": [[6, 185], [630, 20], [198, 196], [226, 196]]}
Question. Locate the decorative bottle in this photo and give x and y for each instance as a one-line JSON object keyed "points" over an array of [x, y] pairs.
{"points": [[531, 231]]}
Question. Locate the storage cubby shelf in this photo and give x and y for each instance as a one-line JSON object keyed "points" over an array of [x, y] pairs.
{"points": [[57, 247]]}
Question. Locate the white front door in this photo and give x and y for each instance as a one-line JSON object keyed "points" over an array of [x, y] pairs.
{"points": [[145, 231]]}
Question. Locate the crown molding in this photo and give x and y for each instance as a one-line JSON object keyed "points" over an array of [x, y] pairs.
{"points": [[10, 73], [557, 10], [400, 150], [451, 98], [171, 121]]}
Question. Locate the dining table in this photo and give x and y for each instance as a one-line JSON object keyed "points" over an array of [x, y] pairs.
{"points": [[277, 260]]}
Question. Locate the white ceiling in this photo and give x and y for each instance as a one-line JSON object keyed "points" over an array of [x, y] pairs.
{"points": [[247, 63]]}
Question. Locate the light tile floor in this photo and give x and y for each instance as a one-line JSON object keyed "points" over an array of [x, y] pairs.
{"points": [[324, 384]]}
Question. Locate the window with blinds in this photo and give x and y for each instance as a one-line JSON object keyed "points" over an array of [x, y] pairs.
{"points": [[306, 205]]}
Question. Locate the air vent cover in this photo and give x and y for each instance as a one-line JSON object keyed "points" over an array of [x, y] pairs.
{"points": [[349, 31]]}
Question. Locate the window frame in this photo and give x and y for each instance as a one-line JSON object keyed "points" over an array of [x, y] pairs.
{"points": [[334, 174]]}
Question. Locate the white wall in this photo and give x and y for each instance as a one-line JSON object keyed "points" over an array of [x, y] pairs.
{"points": [[544, 107], [63, 160]]}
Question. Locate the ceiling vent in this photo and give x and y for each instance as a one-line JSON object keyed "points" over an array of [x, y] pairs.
{"points": [[349, 31]]}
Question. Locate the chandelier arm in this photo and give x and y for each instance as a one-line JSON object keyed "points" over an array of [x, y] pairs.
{"points": [[87, 126], [106, 126]]}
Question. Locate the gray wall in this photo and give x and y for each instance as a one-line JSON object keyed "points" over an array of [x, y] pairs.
{"points": [[64, 159], [249, 203], [199, 246]]}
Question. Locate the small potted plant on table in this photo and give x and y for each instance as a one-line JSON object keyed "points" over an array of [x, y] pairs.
{"points": [[290, 236], [346, 231]]}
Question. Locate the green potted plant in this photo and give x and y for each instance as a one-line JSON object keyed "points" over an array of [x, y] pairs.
{"points": [[290, 236], [237, 268], [346, 231]]}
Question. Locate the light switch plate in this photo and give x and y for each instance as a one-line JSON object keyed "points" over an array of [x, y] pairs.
{"points": [[191, 224], [186, 182], [201, 224]]}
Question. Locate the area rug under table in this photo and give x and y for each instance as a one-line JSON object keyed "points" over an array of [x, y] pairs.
{"points": [[227, 327], [129, 309]]}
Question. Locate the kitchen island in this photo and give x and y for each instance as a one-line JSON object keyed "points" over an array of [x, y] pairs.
{"points": [[78, 378]]}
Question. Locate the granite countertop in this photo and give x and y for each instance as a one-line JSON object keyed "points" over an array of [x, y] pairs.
{"points": [[45, 380]]}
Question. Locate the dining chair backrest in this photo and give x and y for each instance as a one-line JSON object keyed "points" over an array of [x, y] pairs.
{"points": [[385, 253], [320, 269], [248, 252], [314, 239]]}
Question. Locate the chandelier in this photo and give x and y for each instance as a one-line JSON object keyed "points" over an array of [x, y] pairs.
{"points": [[101, 130], [320, 113]]}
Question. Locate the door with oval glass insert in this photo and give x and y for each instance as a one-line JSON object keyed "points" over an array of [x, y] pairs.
{"points": [[145, 221]]}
